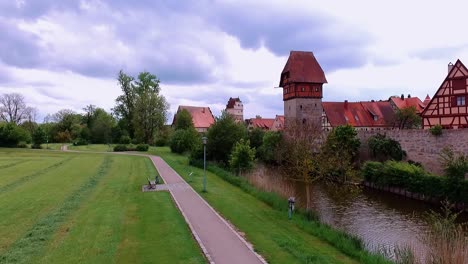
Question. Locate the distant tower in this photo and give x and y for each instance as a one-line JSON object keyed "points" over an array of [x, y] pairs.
{"points": [[235, 108], [302, 81]]}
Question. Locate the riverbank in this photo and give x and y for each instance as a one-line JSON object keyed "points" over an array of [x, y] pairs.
{"points": [[262, 218]]}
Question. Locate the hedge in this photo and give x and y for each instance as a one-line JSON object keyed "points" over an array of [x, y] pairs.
{"points": [[415, 179]]}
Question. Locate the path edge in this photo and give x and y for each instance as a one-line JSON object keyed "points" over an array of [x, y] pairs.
{"points": [[243, 240], [192, 230]]}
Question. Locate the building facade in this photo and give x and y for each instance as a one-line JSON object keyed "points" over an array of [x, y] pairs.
{"points": [[235, 108], [302, 81], [449, 105], [202, 117]]}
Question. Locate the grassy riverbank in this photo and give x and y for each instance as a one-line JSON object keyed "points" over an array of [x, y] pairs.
{"points": [[87, 208], [265, 224]]}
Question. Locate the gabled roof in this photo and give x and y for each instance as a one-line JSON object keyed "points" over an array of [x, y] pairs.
{"points": [[409, 102], [303, 67], [202, 117], [359, 114], [232, 102], [263, 123], [426, 100]]}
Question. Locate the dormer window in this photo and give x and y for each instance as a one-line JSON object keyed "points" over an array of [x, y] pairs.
{"points": [[376, 118], [356, 117]]}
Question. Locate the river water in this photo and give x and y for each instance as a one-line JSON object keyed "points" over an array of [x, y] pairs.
{"points": [[382, 220]]}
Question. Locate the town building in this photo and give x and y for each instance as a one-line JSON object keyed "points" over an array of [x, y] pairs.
{"points": [[361, 115], [449, 105], [258, 122], [400, 102], [302, 81], [235, 108], [278, 124], [202, 117]]}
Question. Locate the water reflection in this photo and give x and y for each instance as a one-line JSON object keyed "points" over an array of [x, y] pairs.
{"points": [[382, 220]]}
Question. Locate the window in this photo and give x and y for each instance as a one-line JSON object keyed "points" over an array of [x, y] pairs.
{"points": [[300, 107], [376, 118], [461, 101], [303, 89], [356, 117], [316, 89]]}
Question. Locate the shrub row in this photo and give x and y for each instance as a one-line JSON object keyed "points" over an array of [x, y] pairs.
{"points": [[139, 147], [415, 179]]}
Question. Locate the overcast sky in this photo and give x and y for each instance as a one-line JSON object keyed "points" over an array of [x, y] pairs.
{"points": [[67, 53]]}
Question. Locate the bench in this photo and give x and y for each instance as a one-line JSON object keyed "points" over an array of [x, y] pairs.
{"points": [[152, 184]]}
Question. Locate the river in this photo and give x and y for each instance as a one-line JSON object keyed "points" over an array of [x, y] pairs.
{"points": [[382, 220]]}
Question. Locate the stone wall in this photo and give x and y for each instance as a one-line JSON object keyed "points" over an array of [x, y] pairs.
{"points": [[420, 145]]}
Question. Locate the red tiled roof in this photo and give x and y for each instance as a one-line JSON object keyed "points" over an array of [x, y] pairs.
{"points": [[303, 67], [426, 100], [202, 117], [232, 102], [280, 118], [263, 123], [359, 114], [409, 102]]}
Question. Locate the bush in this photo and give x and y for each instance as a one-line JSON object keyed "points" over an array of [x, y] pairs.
{"points": [[415, 179], [383, 148], [118, 148], [242, 156], [36, 146], [125, 139], [160, 142], [22, 144], [142, 147], [436, 130], [80, 142], [183, 140], [11, 135]]}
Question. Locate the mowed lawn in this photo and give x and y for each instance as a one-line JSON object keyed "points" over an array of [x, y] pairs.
{"points": [[87, 208]]}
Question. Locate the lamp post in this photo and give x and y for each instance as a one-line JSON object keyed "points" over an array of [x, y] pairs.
{"points": [[204, 140]]}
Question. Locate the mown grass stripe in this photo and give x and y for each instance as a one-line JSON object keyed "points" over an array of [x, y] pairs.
{"points": [[36, 238], [9, 165], [29, 177]]}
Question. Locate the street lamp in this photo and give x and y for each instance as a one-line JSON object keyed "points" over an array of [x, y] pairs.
{"points": [[204, 140]]}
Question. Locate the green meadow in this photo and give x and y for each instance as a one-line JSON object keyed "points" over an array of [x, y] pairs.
{"points": [[60, 207]]}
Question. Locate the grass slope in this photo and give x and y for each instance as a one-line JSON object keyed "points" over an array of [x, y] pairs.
{"points": [[87, 208], [275, 237]]}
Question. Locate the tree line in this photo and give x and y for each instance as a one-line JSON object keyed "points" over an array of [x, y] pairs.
{"points": [[138, 117]]}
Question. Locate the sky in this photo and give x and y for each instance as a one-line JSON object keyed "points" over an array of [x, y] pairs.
{"points": [[66, 54]]}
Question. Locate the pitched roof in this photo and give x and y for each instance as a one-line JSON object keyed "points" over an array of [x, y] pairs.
{"points": [[303, 67], [359, 114], [409, 102], [264, 123], [232, 102], [426, 100], [202, 117]]}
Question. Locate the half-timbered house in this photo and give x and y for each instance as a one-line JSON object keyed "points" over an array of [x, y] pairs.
{"points": [[448, 107]]}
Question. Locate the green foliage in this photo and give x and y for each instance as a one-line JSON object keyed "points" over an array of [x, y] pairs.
{"points": [[222, 136], [125, 139], [119, 148], [183, 120], [163, 136], [269, 147], [455, 165], [142, 147], [63, 137], [22, 144], [408, 118], [101, 126], [343, 140], [383, 148], [11, 135], [184, 140], [436, 130], [242, 156], [414, 179], [39, 136], [256, 137], [80, 142]]}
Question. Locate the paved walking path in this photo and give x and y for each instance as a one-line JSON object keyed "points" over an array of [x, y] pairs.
{"points": [[218, 240]]}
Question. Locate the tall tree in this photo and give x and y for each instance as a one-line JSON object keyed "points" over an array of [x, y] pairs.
{"points": [[150, 110], [101, 126], [183, 120], [13, 108], [408, 118], [124, 109]]}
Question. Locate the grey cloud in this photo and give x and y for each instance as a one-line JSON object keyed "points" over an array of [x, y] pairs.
{"points": [[17, 47], [447, 53]]}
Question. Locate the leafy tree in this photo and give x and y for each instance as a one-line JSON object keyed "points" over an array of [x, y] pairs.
{"points": [[455, 164], [269, 148], [11, 135], [256, 137], [39, 137], [408, 118], [183, 140], [125, 103], [183, 120], [13, 108], [101, 126], [63, 137], [150, 107], [222, 136], [242, 156], [383, 148]]}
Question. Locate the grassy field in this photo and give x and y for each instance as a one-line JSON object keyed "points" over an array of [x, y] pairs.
{"points": [[87, 208], [275, 237], [93, 147]]}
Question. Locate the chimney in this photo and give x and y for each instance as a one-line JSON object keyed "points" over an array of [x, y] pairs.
{"points": [[450, 66], [346, 104]]}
